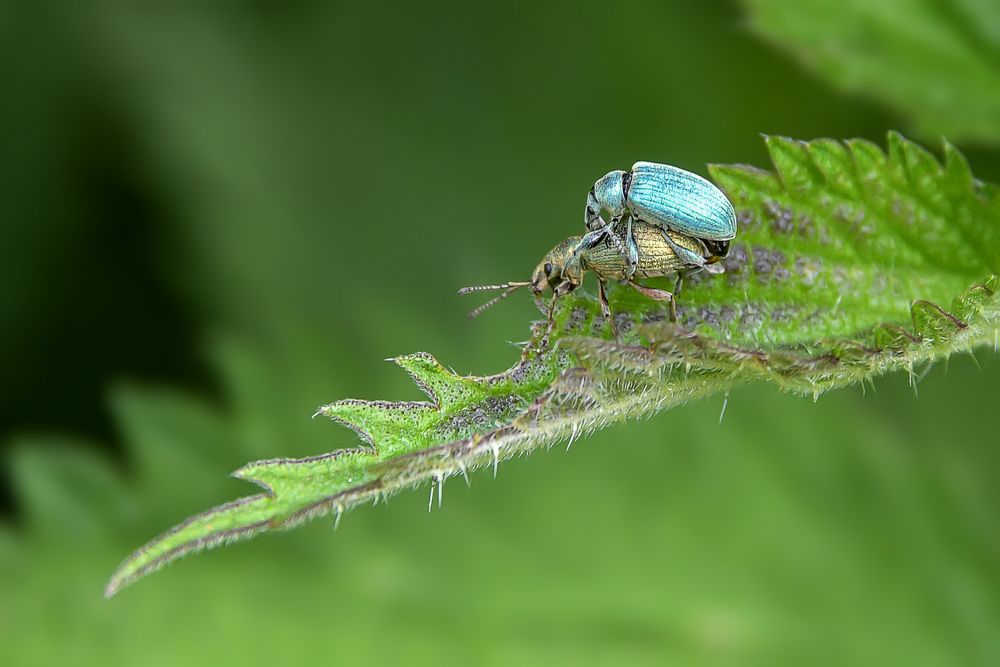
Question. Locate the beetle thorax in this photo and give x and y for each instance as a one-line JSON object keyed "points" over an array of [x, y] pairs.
{"points": [[610, 194]]}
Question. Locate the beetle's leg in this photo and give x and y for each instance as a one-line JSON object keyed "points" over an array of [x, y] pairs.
{"points": [[657, 295], [602, 296], [595, 221], [652, 292], [539, 302], [562, 288], [593, 212], [631, 251], [565, 287], [609, 230], [592, 217], [681, 275], [544, 343], [585, 244], [689, 256]]}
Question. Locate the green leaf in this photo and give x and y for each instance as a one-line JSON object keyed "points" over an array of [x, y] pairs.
{"points": [[850, 263], [65, 490], [938, 63]]}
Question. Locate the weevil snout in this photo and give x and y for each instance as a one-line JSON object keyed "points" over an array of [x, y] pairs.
{"points": [[547, 274], [559, 266]]}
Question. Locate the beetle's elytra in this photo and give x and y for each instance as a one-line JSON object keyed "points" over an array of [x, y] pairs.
{"points": [[670, 198]]}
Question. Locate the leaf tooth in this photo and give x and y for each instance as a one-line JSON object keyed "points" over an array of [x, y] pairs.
{"points": [[377, 421], [896, 162], [335, 470], [971, 304], [933, 322], [969, 210], [957, 174], [793, 164], [893, 337], [896, 205], [869, 164], [923, 171], [920, 158], [442, 386], [834, 161], [230, 522]]}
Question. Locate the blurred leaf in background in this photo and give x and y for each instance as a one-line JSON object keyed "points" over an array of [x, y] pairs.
{"points": [[292, 192], [937, 62]]}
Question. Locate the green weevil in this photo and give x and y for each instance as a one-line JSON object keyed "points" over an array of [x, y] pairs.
{"points": [[672, 199], [562, 269]]}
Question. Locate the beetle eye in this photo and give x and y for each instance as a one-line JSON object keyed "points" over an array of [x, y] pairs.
{"points": [[548, 268]]}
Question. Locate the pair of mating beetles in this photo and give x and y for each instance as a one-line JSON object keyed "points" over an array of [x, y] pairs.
{"points": [[664, 220]]}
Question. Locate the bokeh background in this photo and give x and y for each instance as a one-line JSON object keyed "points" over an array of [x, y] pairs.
{"points": [[216, 216]]}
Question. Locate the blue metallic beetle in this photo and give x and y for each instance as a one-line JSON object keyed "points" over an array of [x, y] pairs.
{"points": [[670, 198]]}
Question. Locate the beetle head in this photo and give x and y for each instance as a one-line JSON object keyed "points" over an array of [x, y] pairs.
{"points": [[560, 270], [717, 250], [560, 266]]}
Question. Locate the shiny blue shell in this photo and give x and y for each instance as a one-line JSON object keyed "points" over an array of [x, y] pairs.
{"points": [[681, 201]]}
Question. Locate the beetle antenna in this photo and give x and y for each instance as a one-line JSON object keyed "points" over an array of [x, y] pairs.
{"points": [[508, 289], [490, 288]]}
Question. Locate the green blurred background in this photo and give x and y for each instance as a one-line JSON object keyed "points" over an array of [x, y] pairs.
{"points": [[217, 216]]}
